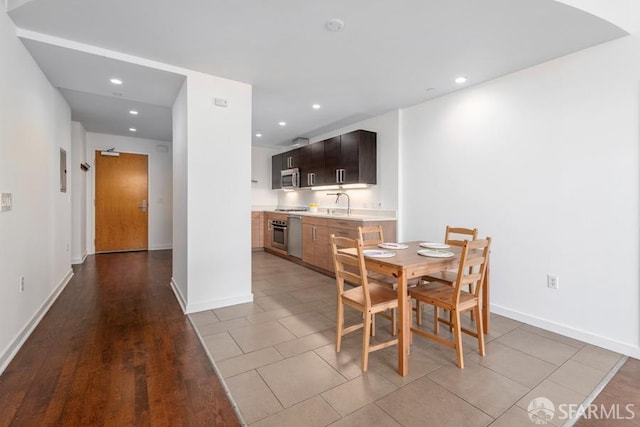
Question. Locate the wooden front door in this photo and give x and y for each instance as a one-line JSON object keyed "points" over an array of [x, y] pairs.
{"points": [[121, 203]]}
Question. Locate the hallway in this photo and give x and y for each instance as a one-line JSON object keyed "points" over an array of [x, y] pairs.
{"points": [[114, 349]]}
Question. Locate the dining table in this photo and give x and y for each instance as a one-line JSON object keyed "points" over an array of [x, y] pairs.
{"points": [[406, 264]]}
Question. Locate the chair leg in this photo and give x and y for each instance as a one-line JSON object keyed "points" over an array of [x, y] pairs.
{"points": [[436, 323], [365, 341], [457, 337], [394, 322], [472, 312], [409, 323], [477, 312], [373, 325], [340, 325], [418, 312]]}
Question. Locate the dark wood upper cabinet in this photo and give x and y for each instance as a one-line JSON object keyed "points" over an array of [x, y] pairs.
{"points": [[312, 169], [343, 159], [351, 158], [276, 167], [291, 159]]}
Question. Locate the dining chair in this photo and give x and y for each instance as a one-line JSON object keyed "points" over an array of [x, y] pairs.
{"points": [[370, 235], [473, 253], [454, 236], [367, 298]]}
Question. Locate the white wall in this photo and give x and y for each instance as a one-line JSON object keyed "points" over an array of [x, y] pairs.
{"points": [[180, 255], [218, 194], [384, 195], [35, 122], [160, 183], [78, 194], [262, 196], [546, 161]]}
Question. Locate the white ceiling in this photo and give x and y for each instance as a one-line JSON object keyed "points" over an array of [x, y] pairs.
{"points": [[386, 57]]}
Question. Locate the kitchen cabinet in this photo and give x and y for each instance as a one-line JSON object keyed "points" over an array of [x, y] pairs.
{"points": [[351, 158], [257, 230], [291, 159], [344, 159], [315, 243], [312, 170], [283, 161], [276, 167], [316, 237]]}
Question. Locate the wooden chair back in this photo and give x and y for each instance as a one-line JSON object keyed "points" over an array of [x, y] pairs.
{"points": [[456, 236], [472, 267], [370, 235], [350, 268]]}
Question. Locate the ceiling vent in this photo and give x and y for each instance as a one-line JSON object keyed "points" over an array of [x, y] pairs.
{"points": [[299, 142]]}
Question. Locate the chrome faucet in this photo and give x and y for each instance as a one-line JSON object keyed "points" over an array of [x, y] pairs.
{"points": [[338, 198]]}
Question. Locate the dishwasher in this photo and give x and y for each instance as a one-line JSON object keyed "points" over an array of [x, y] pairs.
{"points": [[294, 238]]}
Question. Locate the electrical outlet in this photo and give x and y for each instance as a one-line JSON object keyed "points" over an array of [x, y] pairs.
{"points": [[21, 284], [553, 281]]}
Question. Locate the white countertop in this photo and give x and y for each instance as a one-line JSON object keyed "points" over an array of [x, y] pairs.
{"points": [[356, 215]]}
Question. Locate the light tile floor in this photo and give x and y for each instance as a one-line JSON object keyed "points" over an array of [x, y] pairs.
{"points": [[278, 359]]}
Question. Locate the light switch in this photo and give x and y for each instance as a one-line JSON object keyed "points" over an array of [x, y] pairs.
{"points": [[6, 202], [220, 102]]}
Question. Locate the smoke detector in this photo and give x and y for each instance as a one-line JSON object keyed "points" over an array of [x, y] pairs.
{"points": [[334, 24]]}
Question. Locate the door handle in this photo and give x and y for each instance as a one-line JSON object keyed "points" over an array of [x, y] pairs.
{"points": [[144, 206]]}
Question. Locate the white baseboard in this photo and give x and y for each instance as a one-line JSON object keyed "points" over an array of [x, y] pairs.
{"points": [[14, 346], [218, 303], [161, 247], [76, 261], [207, 305], [577, 334], [179, 296]]}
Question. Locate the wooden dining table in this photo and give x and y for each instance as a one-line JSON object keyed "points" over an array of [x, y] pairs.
{"points": [[407, 264]]}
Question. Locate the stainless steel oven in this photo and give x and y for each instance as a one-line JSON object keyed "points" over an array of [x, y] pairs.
{"points": [[279, 234]]}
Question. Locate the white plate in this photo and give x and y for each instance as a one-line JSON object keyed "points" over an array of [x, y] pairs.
{"points": [[435, 253], [434, 245], [374, 253], [393, 245]]}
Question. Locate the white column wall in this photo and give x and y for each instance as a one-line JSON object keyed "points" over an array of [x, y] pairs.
{"points": [[546, 161], [78, 194], [35, 123], [180, 253], [218, 193]]}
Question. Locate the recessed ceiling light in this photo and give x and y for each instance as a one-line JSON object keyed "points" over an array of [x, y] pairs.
{"points": [[282, 123], [133, 112], [258, 135], [316, 106], [132, 129], [461, 79], [116, 81], [334, 24]]}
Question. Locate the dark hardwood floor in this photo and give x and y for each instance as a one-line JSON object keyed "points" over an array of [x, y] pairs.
{"points": [[115, 349]]}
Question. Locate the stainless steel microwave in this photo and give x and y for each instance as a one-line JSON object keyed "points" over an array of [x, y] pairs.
{"points": [[290, 179]]}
